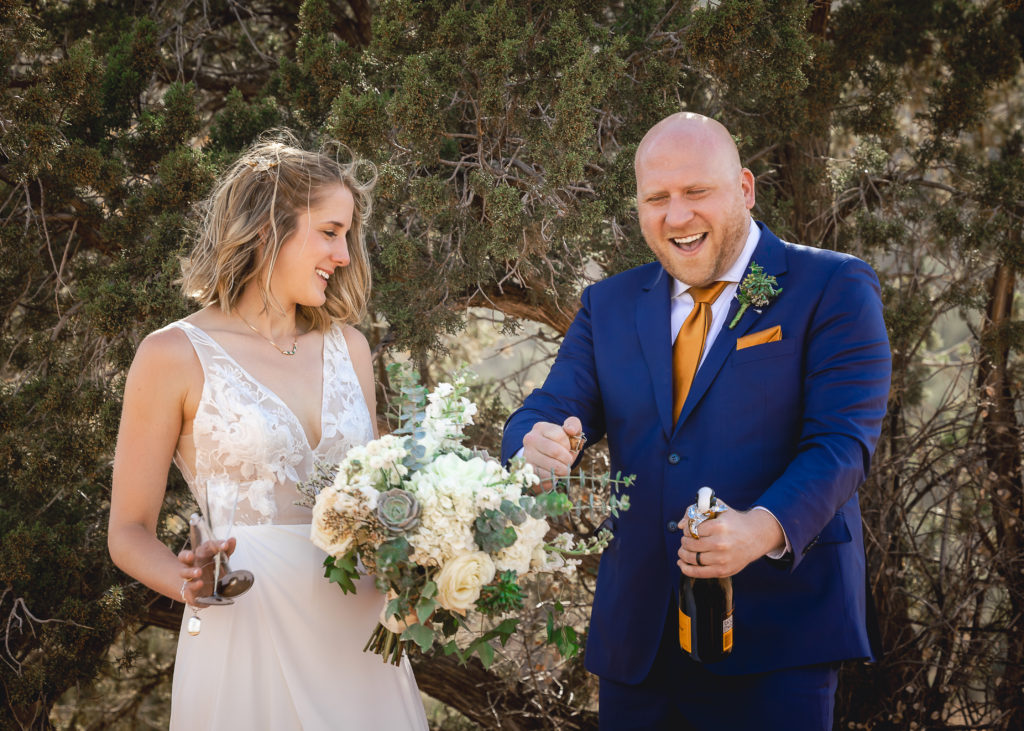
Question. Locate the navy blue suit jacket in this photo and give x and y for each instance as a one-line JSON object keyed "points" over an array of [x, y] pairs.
{"points": [[789, 425]]}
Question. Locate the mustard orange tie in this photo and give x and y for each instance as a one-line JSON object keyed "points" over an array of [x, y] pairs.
{"points": [[690, 343]]}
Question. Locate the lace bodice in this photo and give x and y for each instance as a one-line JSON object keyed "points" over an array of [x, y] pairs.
{"points": [[251, 450]]}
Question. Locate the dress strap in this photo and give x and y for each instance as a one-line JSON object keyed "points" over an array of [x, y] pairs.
{"points": [[206, 347]]}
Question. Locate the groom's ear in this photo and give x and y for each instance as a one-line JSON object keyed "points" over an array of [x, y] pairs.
{"points": [[747, 186]]}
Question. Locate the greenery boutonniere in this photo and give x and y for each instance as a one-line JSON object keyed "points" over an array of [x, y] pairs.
{"points": [[757, 289]]}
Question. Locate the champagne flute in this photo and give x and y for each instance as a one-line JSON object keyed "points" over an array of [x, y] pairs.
{"points": [[226, 583]]}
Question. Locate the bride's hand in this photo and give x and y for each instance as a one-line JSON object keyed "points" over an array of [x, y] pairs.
{"points": [[197, 568]]}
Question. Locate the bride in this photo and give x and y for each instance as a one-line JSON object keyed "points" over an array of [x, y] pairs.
{"points": [[246, 396]]}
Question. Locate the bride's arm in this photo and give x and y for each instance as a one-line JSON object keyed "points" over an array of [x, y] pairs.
{"points": [[359, 351], [161, 387]]}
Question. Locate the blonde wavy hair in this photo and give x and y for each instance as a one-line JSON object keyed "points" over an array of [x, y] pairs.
{"points": [[254, 208]]}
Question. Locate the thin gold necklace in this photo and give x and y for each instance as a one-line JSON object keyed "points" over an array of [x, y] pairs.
{"points": [[282, 351]]}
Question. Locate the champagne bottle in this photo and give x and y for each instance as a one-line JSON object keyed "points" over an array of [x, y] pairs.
{"points": [[705, 605]]}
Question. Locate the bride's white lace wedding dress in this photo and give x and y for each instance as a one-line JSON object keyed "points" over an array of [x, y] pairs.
{"points": [[289, 653]]}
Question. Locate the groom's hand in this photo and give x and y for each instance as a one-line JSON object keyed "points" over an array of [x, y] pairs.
{"points": [[546, 447], [728, 543]]}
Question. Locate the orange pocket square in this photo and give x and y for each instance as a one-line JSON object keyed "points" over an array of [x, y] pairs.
{"points": [[761, 337]]}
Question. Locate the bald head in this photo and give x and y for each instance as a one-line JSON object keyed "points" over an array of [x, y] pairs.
{"points": [[693, 197], [692, 131]]}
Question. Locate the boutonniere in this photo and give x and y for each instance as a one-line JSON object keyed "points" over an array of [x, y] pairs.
{"points": [[757, 289]]}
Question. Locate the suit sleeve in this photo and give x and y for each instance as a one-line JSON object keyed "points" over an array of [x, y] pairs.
{"points": [[570, 389], [847, 372]]}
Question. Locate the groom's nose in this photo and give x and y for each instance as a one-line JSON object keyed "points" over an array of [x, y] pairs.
{"points": [[680, 212]]}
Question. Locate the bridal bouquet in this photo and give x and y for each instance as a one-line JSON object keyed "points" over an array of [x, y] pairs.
{"points": [[447, 532]]}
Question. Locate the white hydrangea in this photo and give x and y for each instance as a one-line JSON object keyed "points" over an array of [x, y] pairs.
{"points": [[519, 555], [447, 489], [488, 498]]}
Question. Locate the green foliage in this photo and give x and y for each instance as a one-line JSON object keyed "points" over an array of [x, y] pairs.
{"points": [[421, 635], [491, 531], [481, 646], [426, 605], [322, 66], [129, 64], [391, 555], [757, 289], [342, 571], [553, 502], [763, 66], [240, 122], [501, 597], [563, 637]]}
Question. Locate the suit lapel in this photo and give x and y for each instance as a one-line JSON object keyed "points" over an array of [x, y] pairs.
{"points": [[653, 327], [771, 255]]}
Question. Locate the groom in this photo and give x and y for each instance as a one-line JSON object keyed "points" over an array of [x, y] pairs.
{"points": [[777, 409]]}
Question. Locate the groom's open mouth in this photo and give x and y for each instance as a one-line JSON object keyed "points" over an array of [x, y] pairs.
{"points": [[689, 244]]}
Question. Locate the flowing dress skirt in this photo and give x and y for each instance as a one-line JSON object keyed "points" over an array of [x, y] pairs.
{"points": [[289, 653]]}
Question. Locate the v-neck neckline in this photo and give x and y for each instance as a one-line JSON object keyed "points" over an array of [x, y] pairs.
{"points": [[323, 384]]}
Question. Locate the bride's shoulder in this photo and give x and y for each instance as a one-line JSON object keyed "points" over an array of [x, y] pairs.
{"points": [[164, 382], [355, 341], [168, 343], [167, 355]]}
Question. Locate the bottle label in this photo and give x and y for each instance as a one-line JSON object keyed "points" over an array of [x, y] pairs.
{"points": [[727, 634], [684, 632]]}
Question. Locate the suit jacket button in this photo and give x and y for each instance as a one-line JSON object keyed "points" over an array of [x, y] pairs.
{"points": [[673, 458], [672, 526]]}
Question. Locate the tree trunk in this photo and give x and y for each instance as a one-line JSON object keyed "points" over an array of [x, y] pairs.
{"points": [[998, 395], [802, 159], [490, 701]]}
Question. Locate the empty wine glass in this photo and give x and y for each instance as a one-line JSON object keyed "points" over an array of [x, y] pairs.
{"points": [[216, 524]]}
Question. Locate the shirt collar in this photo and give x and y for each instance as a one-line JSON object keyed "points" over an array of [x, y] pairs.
{"points": [[735, 272]]}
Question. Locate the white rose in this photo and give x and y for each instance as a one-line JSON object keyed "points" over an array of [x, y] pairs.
{"points": [[326, 532], [460, 581]]}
